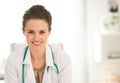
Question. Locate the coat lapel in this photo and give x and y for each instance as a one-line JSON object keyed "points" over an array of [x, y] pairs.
{"points": [[29, 73], [49, 62]]}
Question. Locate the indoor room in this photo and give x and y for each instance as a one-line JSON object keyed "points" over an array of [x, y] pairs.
{"points": [[87, 30]]}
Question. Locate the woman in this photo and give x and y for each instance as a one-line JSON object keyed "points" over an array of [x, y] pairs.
{"points": [[39, 62]]}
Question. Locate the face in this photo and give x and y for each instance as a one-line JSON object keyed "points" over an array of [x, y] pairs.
{"points": [[36, 32]]}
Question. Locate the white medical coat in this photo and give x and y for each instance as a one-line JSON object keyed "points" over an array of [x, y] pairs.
{"points": [[13, 70]]}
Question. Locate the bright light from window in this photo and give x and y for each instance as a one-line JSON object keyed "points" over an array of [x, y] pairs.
{"points": [[97, 48]]}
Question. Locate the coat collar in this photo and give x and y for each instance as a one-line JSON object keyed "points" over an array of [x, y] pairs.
{"points": [[49, 58], [27, 60]]}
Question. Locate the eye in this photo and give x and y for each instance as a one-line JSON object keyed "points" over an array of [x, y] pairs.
{"points": [[42, 32], [30, 31]]}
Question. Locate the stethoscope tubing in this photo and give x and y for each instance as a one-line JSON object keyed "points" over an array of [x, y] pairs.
{"points": [[25, 53]]}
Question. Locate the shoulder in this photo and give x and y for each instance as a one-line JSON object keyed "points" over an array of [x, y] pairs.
{"points": [[63, 60], [58, 50], [59, 54], [16, 56]]}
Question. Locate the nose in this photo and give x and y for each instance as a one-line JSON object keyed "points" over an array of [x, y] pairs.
{"points": [[37, 37]]}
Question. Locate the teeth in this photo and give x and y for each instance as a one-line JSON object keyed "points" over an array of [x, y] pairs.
{"points": [[36, 43]]}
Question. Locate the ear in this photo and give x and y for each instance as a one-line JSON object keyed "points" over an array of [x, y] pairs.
{"points": [[23, 30], [50, 30]]}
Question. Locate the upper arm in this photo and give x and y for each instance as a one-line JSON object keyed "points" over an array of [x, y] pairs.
{"points": [[11, 71]]}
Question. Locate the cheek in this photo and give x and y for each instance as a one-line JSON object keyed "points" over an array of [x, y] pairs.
{"points": [[46, 37], [29, 37]]}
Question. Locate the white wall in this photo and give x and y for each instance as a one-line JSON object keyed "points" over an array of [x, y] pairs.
{"points": [[67, 28], [96, 11]]}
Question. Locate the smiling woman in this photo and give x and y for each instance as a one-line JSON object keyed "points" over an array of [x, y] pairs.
{"points": [[46, 61], [67, 28]]}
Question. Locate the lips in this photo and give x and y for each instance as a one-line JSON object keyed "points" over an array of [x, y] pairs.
{"points": [[36, 43]]}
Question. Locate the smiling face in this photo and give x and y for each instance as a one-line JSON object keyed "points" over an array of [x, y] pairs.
{"points": [[36, 32]]}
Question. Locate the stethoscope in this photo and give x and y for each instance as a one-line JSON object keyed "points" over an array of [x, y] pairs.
{"points": [[25, 53]]}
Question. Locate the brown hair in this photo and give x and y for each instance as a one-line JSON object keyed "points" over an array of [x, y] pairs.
{"points": [[37, 12]]}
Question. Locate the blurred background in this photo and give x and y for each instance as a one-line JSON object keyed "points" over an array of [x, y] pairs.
{"points": [[88, 29]]}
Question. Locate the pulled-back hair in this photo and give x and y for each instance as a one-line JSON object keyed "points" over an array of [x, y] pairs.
{"points": [[37, 12]]}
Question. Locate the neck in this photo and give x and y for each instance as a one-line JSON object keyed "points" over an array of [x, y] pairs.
{"points": [[38, 57], [37, 54]]}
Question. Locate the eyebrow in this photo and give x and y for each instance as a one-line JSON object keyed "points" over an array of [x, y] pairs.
{"points": [[38, 31], [33, 30]]}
